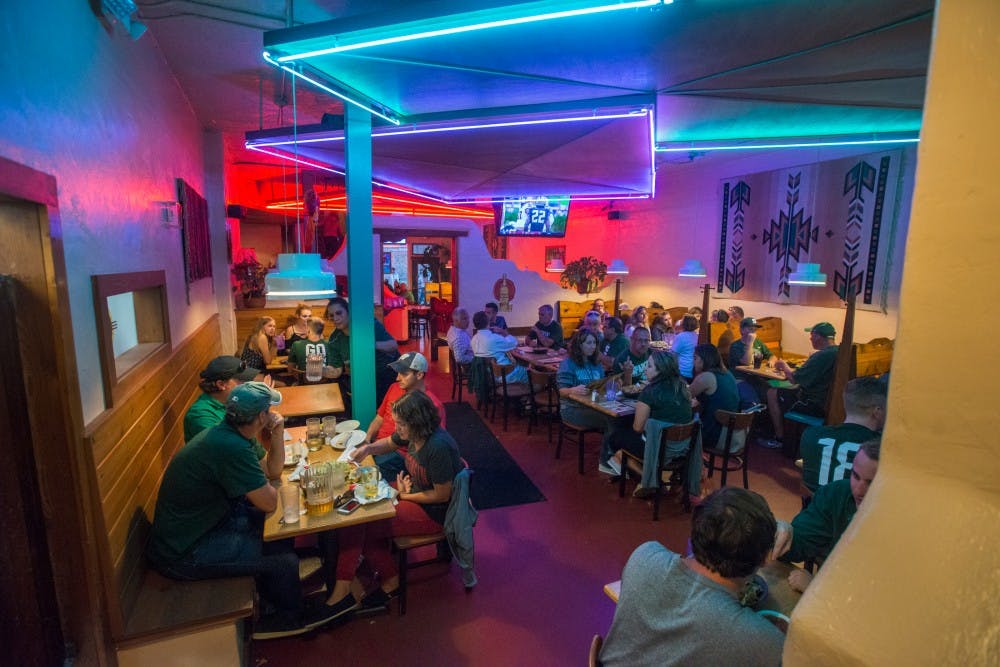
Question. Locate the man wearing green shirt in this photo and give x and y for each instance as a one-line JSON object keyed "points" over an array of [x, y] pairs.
{"points": [[218, 379], [813, 381], [815, 531], [339, 348], [615, 343], [205, 526]]}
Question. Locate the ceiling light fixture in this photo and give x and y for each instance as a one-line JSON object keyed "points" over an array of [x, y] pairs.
{"points": [[372, 108], [555, 266], [871, 139], [693, 268], [807, 274], [407, 31]]}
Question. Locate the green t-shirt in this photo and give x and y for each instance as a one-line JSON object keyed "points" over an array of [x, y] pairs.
{"points": [[638, 365], [616, 347], [203, 480], [339, 348], [206, 412], [828, 452], [739, 348], [300, 349], [667, 402], [815, 375], [817, 528]]}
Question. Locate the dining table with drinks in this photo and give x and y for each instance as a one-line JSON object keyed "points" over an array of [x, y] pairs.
{"points": [[320, 482], [539, 356]]}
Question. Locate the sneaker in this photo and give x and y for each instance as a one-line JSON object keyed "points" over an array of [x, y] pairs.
{"points": [[324, 613], [610, 467], [469, 579], [771, 443], [276, 626], [378, 598]]}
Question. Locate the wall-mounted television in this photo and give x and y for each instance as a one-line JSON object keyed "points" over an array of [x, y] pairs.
{"points": [[534, 216]]}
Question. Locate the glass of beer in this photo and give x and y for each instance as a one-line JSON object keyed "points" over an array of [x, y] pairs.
{"points": [[369, 477], [314, 434]]}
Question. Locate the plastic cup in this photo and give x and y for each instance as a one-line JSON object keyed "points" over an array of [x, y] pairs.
{"points": [[289, 494]]}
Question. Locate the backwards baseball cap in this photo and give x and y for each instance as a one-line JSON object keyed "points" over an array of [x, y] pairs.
{"points": [[224, 368], [750, 322], [411, 361], [824, 329], [250, 399]]}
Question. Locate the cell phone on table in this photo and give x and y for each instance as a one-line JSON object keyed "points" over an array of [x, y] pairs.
{"points": [[349, 506]]}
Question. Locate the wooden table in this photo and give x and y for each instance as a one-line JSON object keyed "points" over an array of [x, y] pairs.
{"points": [[277, 364], [275, 529], [781, 597], [766, 373], [624, 407], [550, 359], [310, 400]]}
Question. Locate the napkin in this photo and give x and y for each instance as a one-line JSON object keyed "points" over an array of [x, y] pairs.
{"points": [[296, 474]]}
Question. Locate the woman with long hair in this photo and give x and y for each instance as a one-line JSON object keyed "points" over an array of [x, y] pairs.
{"points": [[260, 347], [298, 329], [637, 319], [660, 326], [425, 487], [714, 387], [576, 372], [665, 398]]}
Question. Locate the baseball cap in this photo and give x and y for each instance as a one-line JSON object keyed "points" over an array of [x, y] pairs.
{"points": [[250, 399], [411, 361], [226, 367], [824, 329], [750, 322]]}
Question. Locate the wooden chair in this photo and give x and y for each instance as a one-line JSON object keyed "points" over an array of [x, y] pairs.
{"points": [[871, 358], [677, 465], [544, 397], [459, 375], [733, 422], [504, 392], [580, 431], [595, 651]]}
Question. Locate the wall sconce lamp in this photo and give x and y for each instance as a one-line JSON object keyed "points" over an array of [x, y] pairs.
{"points": [[555, 266]]}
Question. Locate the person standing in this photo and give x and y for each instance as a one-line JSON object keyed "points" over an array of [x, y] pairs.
{"points": [[339, 347]]}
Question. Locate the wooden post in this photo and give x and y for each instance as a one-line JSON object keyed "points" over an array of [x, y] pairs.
{"points": [[842, 369], [618, 296]]}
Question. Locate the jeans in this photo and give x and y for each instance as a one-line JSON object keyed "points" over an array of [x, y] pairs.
{"points": [[234, 548]]}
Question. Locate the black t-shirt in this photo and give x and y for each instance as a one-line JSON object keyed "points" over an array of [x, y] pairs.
{"points": [[437, 462]]}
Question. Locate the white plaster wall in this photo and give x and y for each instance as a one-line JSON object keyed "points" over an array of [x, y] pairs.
{"points": [[104, 115]]}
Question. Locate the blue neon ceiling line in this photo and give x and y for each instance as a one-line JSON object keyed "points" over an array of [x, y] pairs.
{"points": [[517, 20], [370, 109], [415, 129], [805, 143]]}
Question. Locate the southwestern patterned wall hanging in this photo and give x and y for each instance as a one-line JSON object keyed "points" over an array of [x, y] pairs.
{"points": [[841, 214]]}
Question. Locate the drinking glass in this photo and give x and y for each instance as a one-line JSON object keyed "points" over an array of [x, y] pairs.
{"points": [[290, 494], [314, 367], [329, 427], [314, 433]]}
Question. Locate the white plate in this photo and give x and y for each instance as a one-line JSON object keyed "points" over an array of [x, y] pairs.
{"points": [[348, 440], [384, 491], [349, 425]]}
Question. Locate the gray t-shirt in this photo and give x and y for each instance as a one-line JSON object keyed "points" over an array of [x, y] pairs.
{"points": [[669, 615]]}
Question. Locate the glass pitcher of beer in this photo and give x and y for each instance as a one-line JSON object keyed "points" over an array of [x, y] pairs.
{"points": [[314, 367], [368, 479], [318, 484]]}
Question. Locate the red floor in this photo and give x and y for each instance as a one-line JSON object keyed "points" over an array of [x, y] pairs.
{"points": [[541, 568]]}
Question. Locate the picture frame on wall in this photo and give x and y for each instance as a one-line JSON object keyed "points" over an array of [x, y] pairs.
{"points": [[553, 252]]}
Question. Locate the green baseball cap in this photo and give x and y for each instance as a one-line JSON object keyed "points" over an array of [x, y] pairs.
{"points": [[824, 329], [250, 399]]}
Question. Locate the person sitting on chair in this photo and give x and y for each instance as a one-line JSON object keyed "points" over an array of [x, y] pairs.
{"points": [[615, 343], [828, 451], [667, 601], [815, 531], [632, 363], [578, 370], [546, 332], [313, 343], [490, 344], [666, 398], [813, 379], [497, 323], [715, 389], [458, 336], [220, 377]]}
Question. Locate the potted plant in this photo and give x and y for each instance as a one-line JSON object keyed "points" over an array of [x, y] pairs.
{"points": [[248, 275], [585, 274]]}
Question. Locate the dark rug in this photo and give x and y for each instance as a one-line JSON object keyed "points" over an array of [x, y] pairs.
{"points": [[498, 481]]}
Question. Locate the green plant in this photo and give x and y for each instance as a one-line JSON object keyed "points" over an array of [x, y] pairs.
{"points": [[249, 274], [585, 275]]}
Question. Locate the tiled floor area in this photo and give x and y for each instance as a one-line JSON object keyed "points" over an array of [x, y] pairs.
{"points": [[541, 568]]}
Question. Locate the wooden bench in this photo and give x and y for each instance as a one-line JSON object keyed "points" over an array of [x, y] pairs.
{"points": [[769, 334], [154, 620], [873, 358], [571, 313]]}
